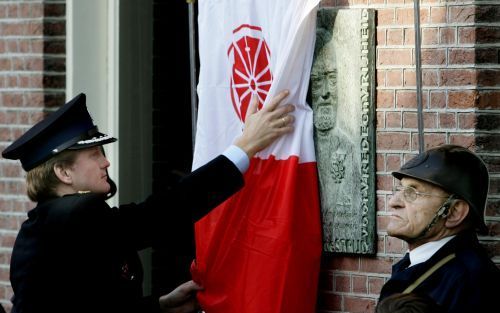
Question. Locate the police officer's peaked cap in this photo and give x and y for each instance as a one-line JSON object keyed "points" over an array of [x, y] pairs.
{"points": [[70, 127], [456, 170]]}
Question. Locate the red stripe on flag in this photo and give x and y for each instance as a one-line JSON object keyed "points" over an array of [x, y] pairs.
{"points": [[263, 243]]}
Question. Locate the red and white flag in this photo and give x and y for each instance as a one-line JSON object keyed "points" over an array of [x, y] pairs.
{"points": [[260, 250]]}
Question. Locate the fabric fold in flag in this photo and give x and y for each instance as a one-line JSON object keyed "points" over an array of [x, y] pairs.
{"points": [[260, 250]]}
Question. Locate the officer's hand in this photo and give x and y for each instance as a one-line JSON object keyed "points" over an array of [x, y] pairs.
{"points": [[182, 299], [265, 126]]}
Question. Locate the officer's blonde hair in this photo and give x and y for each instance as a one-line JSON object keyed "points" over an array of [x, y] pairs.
{"points": [[41, 181]]}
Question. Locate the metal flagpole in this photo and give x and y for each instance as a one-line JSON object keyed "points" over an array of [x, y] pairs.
{"points": [[192, 62], [418, 73]]}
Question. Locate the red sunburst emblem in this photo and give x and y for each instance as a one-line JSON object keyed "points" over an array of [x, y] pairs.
{"points": [[251, 72]]}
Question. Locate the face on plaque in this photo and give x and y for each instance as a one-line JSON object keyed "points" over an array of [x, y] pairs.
{"points": [[324, 89]]}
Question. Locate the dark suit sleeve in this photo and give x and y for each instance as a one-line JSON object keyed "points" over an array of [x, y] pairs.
{"points": [[171, 214]]}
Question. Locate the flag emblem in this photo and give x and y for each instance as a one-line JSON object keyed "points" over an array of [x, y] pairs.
{"points": [[250, 58]]}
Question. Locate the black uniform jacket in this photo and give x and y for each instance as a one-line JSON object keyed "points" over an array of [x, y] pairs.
{"points": [[76, 254], [468, 283]]}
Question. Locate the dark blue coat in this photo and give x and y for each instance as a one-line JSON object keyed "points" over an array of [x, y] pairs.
{"points": [[76, 254], [468, 283]]}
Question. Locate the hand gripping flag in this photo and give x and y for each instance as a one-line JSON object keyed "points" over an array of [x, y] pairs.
{"points": [[260, 250]]}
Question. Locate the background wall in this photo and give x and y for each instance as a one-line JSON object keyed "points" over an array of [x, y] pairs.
{"points": [[32, 83]]}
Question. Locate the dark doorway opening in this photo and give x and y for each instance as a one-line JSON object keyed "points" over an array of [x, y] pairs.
{"points": [[172, 133]]}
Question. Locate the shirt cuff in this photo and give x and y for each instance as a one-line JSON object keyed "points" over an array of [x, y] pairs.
{"points": [[236, 155]]}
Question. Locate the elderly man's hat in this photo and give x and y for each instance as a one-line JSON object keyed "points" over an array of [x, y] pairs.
{"points": [[455, 169], [70, 127]]}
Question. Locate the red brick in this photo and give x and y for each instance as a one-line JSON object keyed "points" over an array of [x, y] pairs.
{"points": [[406, 99], [493, 208], [466, 35], [359, 284], [380, 162], [410, 120], [433, 56], [385, 99], [487, 55], [31, 10], [430, 120], [430, 36], [385, 17], [409, 36], [447, 120], [384, 182], [3, 10], [12, 10], [395, 57], [382, 222], [438, 15], [394, 78], [395, 245], [342, 283], [410, 79], [430, 78], [458, 77], [488, 100], [488, 78], [462, 56], [447, 35], [393, 140], [33, 64], [395, 1], [358, 304], [54, 10], [461, 14], [395, 36], [4, 274], [381, 239], [466, 140], [381, 37], [342, 3], [430, 140], [381, 78], [467, 121], [345, 263], [393, 120], [393, 162], [462, 99], [380, 120], [404, 16], [12, 99], [375, 285], [489, 35]]}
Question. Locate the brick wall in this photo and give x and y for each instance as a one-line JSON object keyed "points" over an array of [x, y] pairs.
{"points": [[32, 82], [461, 99]]}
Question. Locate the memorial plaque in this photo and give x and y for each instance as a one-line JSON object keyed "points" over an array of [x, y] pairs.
{"points": [[343, 100]]}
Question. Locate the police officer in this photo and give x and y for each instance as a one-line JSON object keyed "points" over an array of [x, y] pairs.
{"points": [[437, 209], [76, 254]]}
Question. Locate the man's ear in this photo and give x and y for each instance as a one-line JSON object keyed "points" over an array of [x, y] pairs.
{"points": [[62, 174], [457, 213]]}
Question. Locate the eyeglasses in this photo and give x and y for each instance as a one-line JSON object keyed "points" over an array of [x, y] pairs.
{"points": [[410, 194]]}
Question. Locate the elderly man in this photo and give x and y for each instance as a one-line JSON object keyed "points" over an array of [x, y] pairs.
{"points": [[437, 209]]}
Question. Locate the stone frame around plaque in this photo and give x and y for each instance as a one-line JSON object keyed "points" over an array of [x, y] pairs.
{"points": [[343, 99]]}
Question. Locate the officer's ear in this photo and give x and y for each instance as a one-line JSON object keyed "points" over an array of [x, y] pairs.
{"points": [[457, 213], [63, 174]]}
